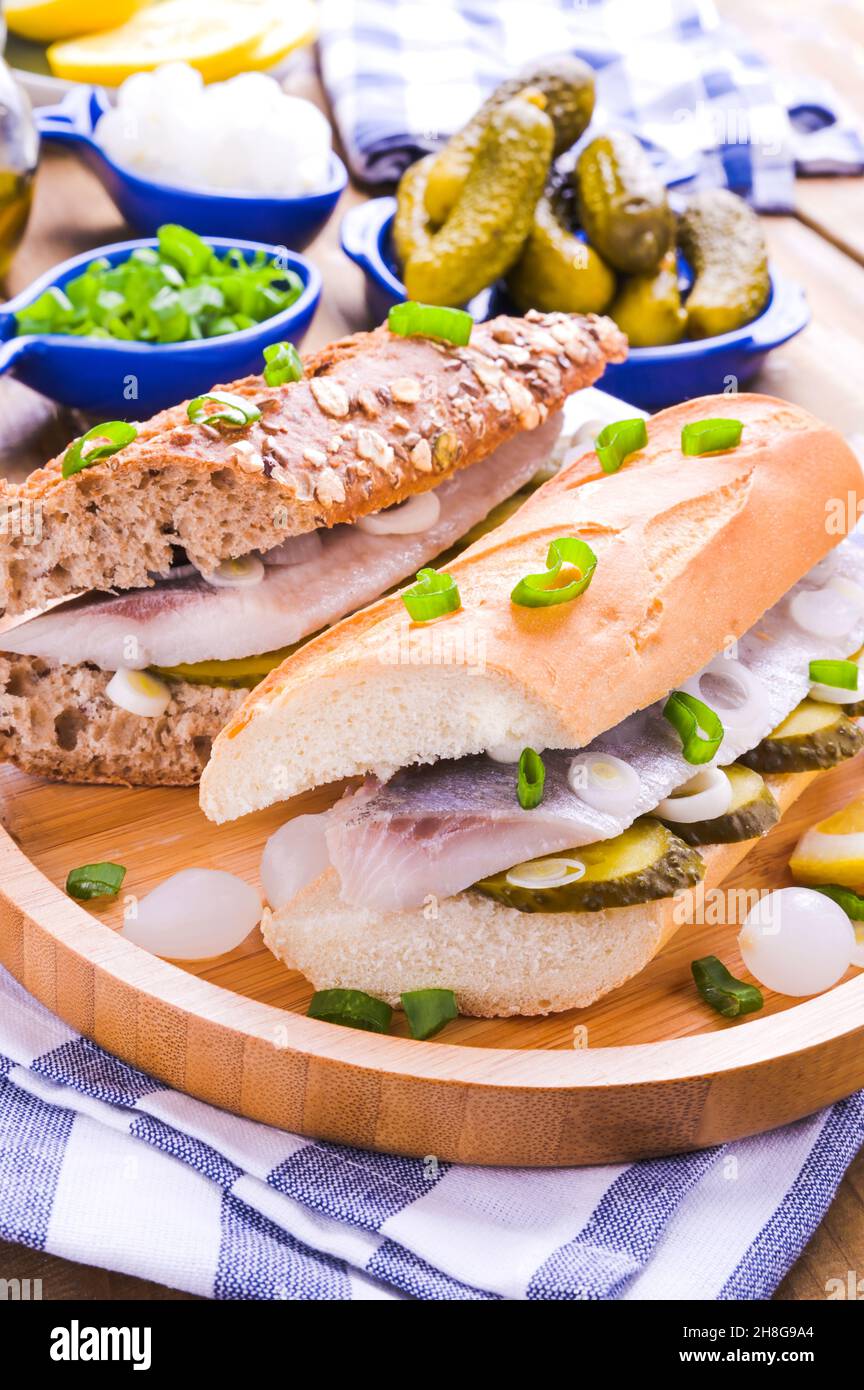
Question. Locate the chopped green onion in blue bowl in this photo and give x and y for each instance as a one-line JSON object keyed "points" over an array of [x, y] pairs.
{"points": [[128, 329]]}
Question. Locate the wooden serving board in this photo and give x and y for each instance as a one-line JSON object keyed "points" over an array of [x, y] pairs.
{"points": [[650, 1069]]}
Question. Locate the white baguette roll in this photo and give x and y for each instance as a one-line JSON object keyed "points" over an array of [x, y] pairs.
{"points": [[691, 552], [497, 961]]}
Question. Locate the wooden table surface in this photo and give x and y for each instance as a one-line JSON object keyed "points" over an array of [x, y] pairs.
{"points": [[821, 246]]}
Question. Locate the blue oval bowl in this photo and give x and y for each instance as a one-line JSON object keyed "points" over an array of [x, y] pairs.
{"points": [[651, 377], [114, 379], [146, 204]]}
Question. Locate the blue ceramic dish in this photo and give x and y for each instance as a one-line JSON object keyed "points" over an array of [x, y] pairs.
{"points": [[122, 380], [651, 377], [145, 204]]}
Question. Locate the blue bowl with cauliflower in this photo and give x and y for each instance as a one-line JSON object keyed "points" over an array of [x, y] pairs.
{"points": [[162, 140]]}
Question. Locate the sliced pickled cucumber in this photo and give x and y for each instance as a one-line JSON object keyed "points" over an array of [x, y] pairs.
{"points": [[648, 307], [557, 271], [412, 230], [752, 812], [723, 240], [493, 214], [815, 735], [241, 673], [568, 87], [647, 861], [622, 203]]}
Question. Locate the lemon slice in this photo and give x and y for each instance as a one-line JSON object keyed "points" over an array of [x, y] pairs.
{"points": [[849, 821], [283, 33], [833, 850], [47, 20], [215, 36]]}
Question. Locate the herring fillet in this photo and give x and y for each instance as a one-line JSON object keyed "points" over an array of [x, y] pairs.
{"points": [[434, 831], [185, 619]]}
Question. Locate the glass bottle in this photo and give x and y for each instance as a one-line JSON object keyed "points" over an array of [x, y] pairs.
{"points": [[19, 151]]}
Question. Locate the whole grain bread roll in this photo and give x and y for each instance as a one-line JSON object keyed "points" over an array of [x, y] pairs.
{"points": [[56, 721], [376, 418], [691, 552]]}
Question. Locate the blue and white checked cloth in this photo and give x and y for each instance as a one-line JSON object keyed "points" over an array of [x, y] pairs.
{"points": [[403, 74], [102, 1164]]}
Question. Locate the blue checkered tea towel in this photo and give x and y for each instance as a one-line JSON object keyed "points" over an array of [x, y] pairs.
{"points": [[402, 75], [104, 1165]]}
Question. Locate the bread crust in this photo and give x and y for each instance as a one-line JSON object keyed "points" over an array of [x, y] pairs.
{"points": [[499, 962], [691, 552], [376, 418], [56, 721]]}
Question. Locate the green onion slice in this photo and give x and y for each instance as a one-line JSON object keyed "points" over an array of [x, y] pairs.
{"points": [[710, 436], [230, 410], [414, 320], [700, 728], [539, 590], [182, 291], [842, 674], [434, 595], [352, 1009], [531, 779], [169, 320], [95, 881], [184, 248], [616, 441], [851, 903], [427, 1010], [720, 989], [52, 312], [103, 441], [283, 364]]}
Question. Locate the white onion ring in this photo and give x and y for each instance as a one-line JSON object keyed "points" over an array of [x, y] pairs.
{"points": [[194, 915], [419, 513], [837, 694], [795, 944], [704, 797], [521, 876], [849, 591], [831, 612], [510, 752], [294, 855], [139, 693], [242, 573], [605, 782], [825, 570], [740, 718]]}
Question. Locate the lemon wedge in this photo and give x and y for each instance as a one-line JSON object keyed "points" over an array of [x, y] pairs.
{"points": [[283, 33], [833, 850], [215, 36], [846, 822], [47, 20]]}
